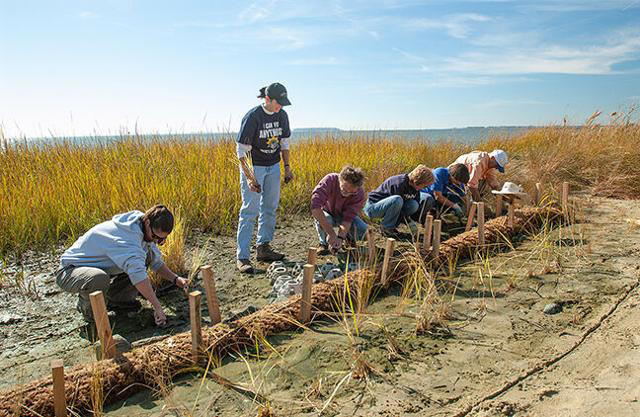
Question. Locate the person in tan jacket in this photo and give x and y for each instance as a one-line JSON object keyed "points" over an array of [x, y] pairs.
{"points": [[483, 170]]}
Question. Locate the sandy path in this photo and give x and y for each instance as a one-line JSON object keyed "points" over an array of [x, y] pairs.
{"points": [[601, 376]]}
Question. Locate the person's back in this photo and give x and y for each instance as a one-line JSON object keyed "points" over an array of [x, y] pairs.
{"points": [[115, 246], [441, 181], [483, 169], [399, 185]]}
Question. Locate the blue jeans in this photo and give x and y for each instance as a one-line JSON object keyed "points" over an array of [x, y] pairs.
{"points": [[261, 205], [427, 202], [357, 230], [393, 210]]}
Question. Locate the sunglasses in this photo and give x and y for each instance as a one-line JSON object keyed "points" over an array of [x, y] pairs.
{"points": [[159, 240]]}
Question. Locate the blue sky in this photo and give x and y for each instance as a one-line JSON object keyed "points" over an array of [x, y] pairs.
{"points": [[82, 67]]}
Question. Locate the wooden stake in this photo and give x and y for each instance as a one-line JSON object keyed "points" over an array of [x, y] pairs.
{"points": [[371, 245], [210, 292], [305, 300], [498, 205], [312, 255], [102, 324], [428, 230], [467, 203], [480, 223], [472, 214], [388, 251], [59, 398], [539, 191], [437, 230], [565, 197], [196, 323], [510, 215]]}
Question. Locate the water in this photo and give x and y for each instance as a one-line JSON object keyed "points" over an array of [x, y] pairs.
{"points": [[464, 135]]}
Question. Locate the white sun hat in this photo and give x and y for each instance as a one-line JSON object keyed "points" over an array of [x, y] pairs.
{"points": [[509, 188]]}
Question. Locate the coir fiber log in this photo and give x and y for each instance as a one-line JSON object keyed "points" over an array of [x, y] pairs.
{"points": [[154, 365]]}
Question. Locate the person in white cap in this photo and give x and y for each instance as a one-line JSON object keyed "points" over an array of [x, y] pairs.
{"points": [[483, 170]]}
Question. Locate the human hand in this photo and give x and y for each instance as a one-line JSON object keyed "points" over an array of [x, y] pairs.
{"points": [[288, 175], [182, 283], [457, 210], [335, 243], [253, 185], [159, 317]]}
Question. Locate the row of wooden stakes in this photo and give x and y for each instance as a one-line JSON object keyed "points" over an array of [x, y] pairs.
{"points": [[430, 245]]}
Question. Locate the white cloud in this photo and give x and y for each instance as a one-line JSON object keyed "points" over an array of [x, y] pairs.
{"points": [[557, 59], [497, 103], [257, 11], [87, 15], [568, 6], [314, 61], [456, 26]]}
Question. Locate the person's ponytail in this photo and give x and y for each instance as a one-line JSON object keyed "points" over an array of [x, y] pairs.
{"points": [[263, 92]]}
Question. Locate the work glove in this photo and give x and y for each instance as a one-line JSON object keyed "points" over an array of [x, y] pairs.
{"points": [[457, 210]]}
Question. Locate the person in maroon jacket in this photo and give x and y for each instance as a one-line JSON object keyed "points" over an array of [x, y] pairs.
{"points": [[336, 201]]}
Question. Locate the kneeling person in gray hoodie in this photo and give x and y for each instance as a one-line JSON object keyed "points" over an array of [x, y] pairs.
{"points": [[113, 257]]}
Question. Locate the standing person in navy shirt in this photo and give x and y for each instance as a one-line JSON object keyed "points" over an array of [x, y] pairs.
{"points": [[396, 199], [263, 136]]}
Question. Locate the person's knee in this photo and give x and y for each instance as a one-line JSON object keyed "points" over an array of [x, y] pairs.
{"points": [[396, 201], [429, 203], [96, 280], [248, 214], [410, 207], [360, 230]]}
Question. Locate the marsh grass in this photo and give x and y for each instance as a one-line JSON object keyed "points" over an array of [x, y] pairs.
{"points": [[173, 251], [55, 192]]}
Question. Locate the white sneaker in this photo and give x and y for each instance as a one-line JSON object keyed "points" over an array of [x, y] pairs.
{"points": [[413, 226]]}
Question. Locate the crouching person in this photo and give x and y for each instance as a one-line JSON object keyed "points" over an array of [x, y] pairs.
{"points": [[336, 201], [397, 199], [113, 257], [446, 192], [483, 170]]}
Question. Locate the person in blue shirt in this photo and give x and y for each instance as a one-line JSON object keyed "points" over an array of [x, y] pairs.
{"points": [[396, 199], [113, 257], [443, 194], [262, 138]]}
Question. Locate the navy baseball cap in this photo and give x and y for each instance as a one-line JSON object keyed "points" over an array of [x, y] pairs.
{"points": [[276, 91]]}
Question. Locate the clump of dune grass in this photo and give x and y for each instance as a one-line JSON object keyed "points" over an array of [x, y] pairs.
{"points": [[433, 315], [173, 251], [54, 192]]}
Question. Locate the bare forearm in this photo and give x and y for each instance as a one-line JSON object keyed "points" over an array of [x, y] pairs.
{"points": [[344, 229], [475, 194], [246, 169], [318, 214], [444, 200], [285, 156], [166, 273], [145, 288]]}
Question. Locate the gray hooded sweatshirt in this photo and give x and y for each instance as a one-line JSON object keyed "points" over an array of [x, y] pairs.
{"points": [[116, 246]]}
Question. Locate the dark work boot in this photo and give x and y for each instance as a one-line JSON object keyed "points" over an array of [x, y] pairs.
{"points": [[84, 307], [244, 266], [266, 254]]}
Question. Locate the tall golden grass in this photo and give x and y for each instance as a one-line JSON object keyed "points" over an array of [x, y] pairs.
{"points": [[55, 192]]}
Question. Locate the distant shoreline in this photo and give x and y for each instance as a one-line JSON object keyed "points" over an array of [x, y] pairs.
{"points": [[465, 135]]}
